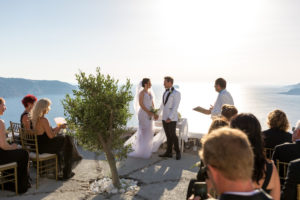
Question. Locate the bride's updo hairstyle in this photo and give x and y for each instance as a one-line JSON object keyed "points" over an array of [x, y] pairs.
{"points": [[145, 81]]}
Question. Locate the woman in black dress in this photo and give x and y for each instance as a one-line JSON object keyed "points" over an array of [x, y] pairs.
{"points": [[28, 102], [11, 153], [50, 142]]}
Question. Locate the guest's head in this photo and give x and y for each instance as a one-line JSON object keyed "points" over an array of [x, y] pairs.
{"points": [[296, 133], [229, 111], [146, 83], [2, 106], [168, 82], [40, 108], [28, 101], [250, 125], [277, 119], [217, 123], [229, 158], [220, 84]]}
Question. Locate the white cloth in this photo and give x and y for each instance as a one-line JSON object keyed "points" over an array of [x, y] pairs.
{"points": [[170, 110], [142, 141], [224, 97]]}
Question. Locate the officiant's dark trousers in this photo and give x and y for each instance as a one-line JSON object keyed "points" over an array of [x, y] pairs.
{"points": [[172, 139]]}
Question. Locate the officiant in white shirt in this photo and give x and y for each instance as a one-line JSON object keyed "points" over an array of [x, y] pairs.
{"points": [[224, 97]]}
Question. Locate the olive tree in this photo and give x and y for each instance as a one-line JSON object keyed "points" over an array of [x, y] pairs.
{"points": [[98, 111]]}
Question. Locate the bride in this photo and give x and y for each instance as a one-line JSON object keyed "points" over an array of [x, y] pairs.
{"points": [[142, 140]]}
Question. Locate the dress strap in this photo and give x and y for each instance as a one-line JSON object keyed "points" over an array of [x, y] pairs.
{"points": [[268, 176]]}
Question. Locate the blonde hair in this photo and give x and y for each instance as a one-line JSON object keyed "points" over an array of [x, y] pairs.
{"points": [[278, 119], [229, 151], [41, 107], [217, 123]]}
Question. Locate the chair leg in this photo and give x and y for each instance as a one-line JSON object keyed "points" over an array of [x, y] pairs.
{"points": [[56, 168], [16, 180], [37, 173]]}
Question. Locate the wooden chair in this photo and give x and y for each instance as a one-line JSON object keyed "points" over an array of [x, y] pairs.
{"points": [[268, 153], [15, 127], [45, 162], [6, 176], [298, 188], [282, 168]]}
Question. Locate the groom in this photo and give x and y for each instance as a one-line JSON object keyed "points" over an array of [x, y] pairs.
{"points": [[169, 107]]}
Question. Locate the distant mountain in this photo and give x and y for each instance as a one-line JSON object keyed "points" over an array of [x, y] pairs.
{"points": [[293, 90], [14, 87]]}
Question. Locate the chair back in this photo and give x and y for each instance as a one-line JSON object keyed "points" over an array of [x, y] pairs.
{"points": [[282, 168], [298, 189], [268, 153], [29, 141], [15, 128]]}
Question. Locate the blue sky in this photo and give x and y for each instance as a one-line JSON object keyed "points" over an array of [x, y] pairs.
{"points": [[252, 41]]}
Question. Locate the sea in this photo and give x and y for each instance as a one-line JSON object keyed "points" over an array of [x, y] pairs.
{"points": [[259, 100]]}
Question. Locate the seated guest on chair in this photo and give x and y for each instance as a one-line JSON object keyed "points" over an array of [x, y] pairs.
{"points": [[265, 175], [277, 134], [228, 111], [229, 161], [289, 191], [11, 153], [216, 124], [289, 151], [49, 141], [28, 102]]}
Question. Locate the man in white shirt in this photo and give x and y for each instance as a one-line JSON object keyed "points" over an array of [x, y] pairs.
{"points": [[224, 97]]}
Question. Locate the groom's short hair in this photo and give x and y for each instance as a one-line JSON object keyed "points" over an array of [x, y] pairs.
{"points": [[169, 79]]}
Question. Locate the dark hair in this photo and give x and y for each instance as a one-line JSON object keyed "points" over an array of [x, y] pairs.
{"points": [[228, 111], [1, 100], [145, 81], [29, 98], [169, 79], [221, 82], [250, 125]]}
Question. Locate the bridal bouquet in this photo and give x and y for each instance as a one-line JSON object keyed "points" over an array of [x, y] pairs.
{"points": [[154, 111]]}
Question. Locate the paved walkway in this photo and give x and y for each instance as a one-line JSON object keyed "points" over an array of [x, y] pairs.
{"points": [[158, 179]]}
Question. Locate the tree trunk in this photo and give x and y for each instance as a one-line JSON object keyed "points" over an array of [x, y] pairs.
{"points": [[113, 168], [111, 161]]}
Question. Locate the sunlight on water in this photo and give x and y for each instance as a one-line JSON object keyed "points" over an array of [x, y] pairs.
{"points": [[257, 100]]}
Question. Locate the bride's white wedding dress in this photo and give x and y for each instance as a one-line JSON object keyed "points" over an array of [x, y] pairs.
{"points": [[142, 140]]}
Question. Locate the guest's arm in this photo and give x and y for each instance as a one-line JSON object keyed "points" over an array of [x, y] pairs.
{"points": [[275, 180], [51, 133], [26, 122], [3, 143]]}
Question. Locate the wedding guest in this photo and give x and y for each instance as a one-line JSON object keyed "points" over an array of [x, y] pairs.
{"points": [[28, 102], [289, 151], [224, 97], [217, 123], [229, 167], [228, 111], [289, 191], [12, 153], [265, 175], [49, 141], [277, 132]]}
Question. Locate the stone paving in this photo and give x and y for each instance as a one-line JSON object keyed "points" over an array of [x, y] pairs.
{"points": [[158, 178]]}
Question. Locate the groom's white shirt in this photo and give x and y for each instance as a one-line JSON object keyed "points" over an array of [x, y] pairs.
{"points": [[169, 111]]}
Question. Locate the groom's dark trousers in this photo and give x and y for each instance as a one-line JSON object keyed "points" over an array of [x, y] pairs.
{"points": [[172, 139]]}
